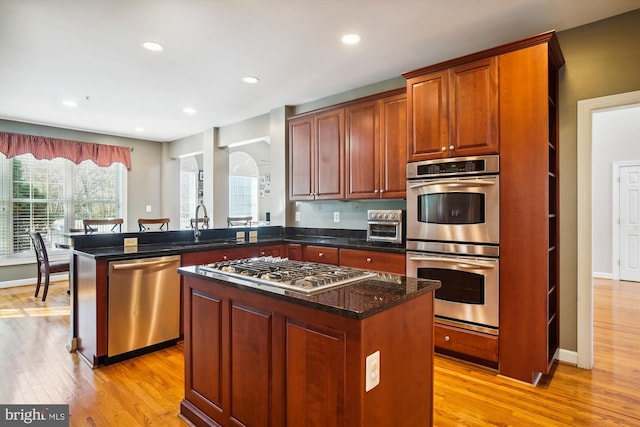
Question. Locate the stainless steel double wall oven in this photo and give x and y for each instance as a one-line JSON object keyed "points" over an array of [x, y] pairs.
{"points": [[453, 235]]}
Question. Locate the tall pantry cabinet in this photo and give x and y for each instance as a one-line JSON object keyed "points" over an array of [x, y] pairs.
{"points": [[529, 252], [504, 100]]}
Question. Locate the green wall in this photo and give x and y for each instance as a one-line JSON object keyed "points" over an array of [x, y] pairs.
{"points": [[602, 58]]}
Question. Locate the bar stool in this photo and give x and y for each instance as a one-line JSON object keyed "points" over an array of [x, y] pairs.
{"points": [[143, 222], [45, 267], [90, 225]]}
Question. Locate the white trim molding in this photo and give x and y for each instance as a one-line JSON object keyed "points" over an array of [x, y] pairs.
{"points": [[586, 108]]}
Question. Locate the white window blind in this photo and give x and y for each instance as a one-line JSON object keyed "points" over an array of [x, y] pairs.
{"points": [[50, 196]]}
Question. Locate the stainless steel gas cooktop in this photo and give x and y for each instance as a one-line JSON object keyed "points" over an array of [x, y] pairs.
{"points": [[299, 276]]}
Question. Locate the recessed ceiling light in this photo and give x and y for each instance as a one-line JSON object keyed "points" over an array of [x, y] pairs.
{"points": [[69, 103], [139, 129], [152, 46], [350, 39], [189, 110], [251, 80]]}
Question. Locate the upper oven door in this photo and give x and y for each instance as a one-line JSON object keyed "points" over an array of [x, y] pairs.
{"points": [[454, 209]]}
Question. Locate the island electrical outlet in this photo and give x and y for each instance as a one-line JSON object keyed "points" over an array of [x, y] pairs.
{"points": [[372, 372]]}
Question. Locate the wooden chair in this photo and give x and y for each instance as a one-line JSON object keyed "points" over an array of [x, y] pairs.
{"points": [[237, 221], [45, 267], [91, 225], [143, 222]]}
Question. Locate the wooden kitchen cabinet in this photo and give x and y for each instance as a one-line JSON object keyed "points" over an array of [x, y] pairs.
{"points": [[452, 111], [381, 262], [376, 143], [322, 254], [529, 237], [272, 250], [294, 251], [454, 341], [316, 156], [217, 255], [256, 360]]}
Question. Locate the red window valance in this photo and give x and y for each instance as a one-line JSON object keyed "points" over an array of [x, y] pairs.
{"points": [[41, 147]]}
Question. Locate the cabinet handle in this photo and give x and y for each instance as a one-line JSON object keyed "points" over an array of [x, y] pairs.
{"points": [[451, 147], [444, 149], [369, 260], [375, 191], [262, 253], [320, 254], [382, 191], [224, 257], [446, 338]]}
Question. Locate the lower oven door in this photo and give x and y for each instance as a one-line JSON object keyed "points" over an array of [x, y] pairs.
{"points": [[469, 286]]}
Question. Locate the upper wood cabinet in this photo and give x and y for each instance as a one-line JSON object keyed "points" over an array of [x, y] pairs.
{"points": [[356, 150], [376, 146], [316, 156], [453, 112]]}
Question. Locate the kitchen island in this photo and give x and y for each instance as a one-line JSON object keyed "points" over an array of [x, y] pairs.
{"points": [[260, 355]]}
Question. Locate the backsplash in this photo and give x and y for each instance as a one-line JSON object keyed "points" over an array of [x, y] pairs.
{"points": [[353, 214]]}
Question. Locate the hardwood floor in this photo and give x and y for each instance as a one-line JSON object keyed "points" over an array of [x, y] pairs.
{"points": [[146, 391]]}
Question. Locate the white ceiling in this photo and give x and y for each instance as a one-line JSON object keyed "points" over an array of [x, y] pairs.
{"points": [[90, 51]]}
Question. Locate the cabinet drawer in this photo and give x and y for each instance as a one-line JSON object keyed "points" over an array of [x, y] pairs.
{"points": [[206, 257], [383, 262], [321, 254], [470, 343]]}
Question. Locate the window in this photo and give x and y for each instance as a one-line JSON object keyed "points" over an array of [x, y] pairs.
{"points": [[243, 185], [190, 189], [51, 196]]}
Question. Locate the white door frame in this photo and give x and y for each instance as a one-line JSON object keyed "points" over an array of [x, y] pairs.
{"points": [[586, 109], [615, 214]]}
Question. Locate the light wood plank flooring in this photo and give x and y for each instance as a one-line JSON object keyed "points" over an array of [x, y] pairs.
{"points": [[35, 367]]}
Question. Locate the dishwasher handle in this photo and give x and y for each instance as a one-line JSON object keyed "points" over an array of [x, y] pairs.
{"points": [[138, 265]]}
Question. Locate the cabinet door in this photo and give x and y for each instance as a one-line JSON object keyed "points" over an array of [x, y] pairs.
{"points": [[203, 351], [272, 250], [473, 108], [362, 151], [251, 371], [329, 154], [294, 251], [428, 115], [301, 158], [315, 374], [393, 147]]}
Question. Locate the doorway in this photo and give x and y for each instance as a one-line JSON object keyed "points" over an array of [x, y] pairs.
{"points": [[627, 227], [585, 155]]}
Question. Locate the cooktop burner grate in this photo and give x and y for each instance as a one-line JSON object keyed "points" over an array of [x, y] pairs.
{"points": [[300, 276]]}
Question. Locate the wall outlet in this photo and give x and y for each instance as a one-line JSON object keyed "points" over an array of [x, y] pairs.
{"points": [[336, 217], [297, 215], [372, 373], [253, 236], [239, 236], [148, 208]]}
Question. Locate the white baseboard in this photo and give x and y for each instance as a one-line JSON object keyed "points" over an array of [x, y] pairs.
{"points": [[31, 281], [568, 356], [597, 275]]}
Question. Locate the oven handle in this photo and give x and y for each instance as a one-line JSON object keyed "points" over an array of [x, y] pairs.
{"points": [[468, 264], [455, 183]]}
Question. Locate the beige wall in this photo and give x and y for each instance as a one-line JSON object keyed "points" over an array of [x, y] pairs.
{"points": [[602, 58]]}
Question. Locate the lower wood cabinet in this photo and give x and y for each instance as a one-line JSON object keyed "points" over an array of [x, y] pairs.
{"points": [[254, 360], [272, 250], [382, 262], [217, 255], [476, 345], [323, 254]]}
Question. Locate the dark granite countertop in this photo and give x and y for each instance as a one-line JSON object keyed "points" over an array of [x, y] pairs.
{"points": [[151, 244], [357, 300]]}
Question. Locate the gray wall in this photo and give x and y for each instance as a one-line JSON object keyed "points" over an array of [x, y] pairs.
{"points": [[144, 180], [602, 59], [616, 138]]}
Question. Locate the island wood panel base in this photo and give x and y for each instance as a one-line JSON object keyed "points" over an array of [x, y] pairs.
{"points": [[256, 360]]}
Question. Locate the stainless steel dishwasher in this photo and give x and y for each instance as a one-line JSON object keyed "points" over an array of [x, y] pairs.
{"points": [[144, 303]]}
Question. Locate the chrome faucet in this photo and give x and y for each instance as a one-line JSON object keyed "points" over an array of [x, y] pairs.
{"points": [[205, 221]]}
